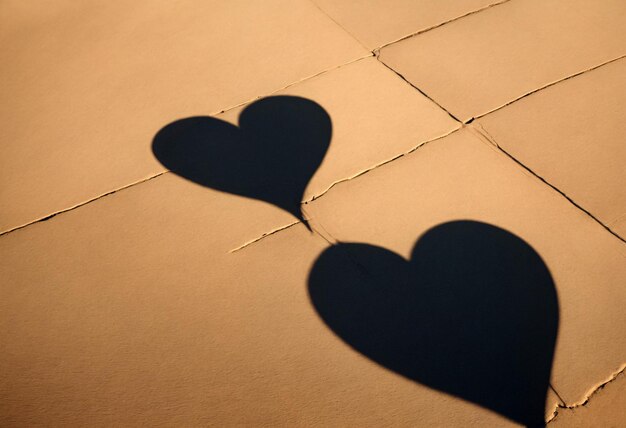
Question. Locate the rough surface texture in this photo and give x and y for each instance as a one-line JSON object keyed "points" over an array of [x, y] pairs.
{"points": [[572, 135], [606, 408], [477, 64], [131, 311], [463, 177], [280, 213], [392, 118], [86, 88], [379, 22]]}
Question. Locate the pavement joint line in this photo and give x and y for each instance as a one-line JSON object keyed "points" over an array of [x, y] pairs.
{"points": [[264, 235], [326, 236], [419, 90], [372, 53], [486, 136], [562, 401], [378, 165], [316, 226], [338, 24], [304, 79], [441, 24], [491, 140], [556, 82], [56, 213], [49, 216], [589, 395]]}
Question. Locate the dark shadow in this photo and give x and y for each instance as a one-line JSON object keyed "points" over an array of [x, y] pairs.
{"points": [[271, 156], [474, 313]]}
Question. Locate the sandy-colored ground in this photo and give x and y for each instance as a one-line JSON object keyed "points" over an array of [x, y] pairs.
{"points": [[474, 150]]}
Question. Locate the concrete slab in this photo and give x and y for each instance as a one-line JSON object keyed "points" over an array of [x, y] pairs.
{"points": [[130, 310], [379, 22], [85, 88], [572, 134], [462, 177], [479, 63], [392, 118], [434, 273]]}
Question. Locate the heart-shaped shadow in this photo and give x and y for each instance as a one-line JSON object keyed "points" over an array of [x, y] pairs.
{"points": [[474, 313], [271, 156]]}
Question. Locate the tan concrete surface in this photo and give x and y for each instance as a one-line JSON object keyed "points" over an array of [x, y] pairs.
{"points": [[479, 63], [392, 118], [379, 22], [572, 135], [172, 302], [606, 408], [462, 177], [131, 311], [86, 87]]}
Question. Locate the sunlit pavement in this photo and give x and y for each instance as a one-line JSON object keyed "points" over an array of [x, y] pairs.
{"points": [[211, 213]]}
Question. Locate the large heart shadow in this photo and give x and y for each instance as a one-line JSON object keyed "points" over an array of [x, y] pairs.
{"points": [[474, 313], [271, 156]]}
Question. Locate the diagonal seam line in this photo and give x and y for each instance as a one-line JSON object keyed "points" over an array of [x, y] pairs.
{"points": [[264, 235], [49, 216], [482, 132], [419, 90], [327, 236], [372, 53], [304, 79], [339, 25], [334, 68], [54, 214], [441, 24], [382, 163], [571, 76], [590, 394]]}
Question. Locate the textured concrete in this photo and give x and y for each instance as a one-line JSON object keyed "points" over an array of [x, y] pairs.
{"points": [[337, 242]]}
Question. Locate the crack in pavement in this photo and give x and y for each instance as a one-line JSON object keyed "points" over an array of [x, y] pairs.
{"points": [[313, 226], [375, 54], [571, 76], [282, 88], [378, 165], [327, 236], [215, 114], [472, 126], [470, 123], [408, 36], [54, 214], [264, 235], [589, 394], [441, 24], [486, 136], [419, 90], [339, 25]]}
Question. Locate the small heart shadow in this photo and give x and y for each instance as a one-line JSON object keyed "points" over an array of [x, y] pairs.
{"points": [[474, 313], [271, 156]]}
